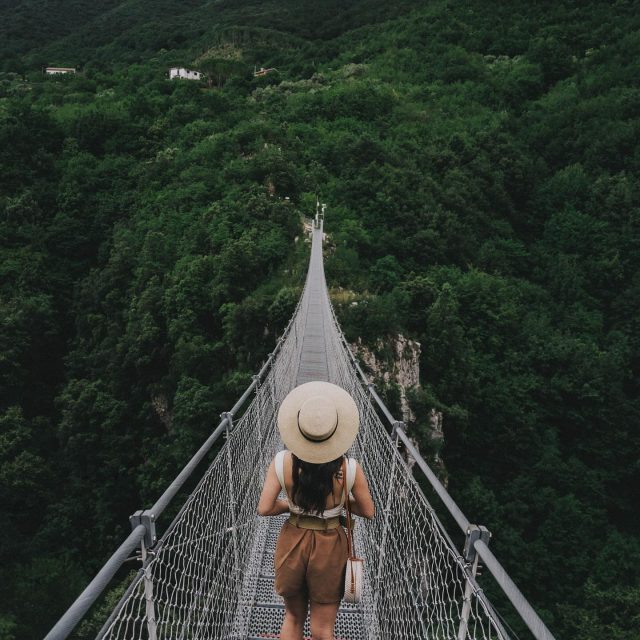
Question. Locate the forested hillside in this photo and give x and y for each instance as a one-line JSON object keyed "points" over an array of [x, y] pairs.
{"points": [[481, 165]]}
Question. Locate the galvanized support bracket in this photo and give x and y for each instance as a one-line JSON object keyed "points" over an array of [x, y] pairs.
{"points": [[398, 424], [229, 418], [148, 520], [474, 533]]}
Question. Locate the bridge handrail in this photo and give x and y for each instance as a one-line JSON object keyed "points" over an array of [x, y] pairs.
{"points": [[517, 599], [146, 527]]}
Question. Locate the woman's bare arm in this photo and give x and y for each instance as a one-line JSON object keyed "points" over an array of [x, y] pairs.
{"points": [[361, 503], [269, 505]]}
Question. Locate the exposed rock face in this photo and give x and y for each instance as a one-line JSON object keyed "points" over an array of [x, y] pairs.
{"points": [[435, 421], [160, 405], [403, 372]]}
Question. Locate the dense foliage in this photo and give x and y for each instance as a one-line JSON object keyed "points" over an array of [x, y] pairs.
{"points": [[481, 163]]}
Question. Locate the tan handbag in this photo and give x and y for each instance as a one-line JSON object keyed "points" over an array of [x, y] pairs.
{"points": [[354, 576]]}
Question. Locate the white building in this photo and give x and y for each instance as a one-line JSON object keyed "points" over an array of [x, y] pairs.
{"points": [[263, 72], [181, 72], [52, 71]]}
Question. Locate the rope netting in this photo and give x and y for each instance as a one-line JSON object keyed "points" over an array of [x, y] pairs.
{"points": [[201, 580]]}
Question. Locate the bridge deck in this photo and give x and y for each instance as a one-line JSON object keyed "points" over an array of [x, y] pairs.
{"points": [[268, 610], [211, 574], [313, 359]]}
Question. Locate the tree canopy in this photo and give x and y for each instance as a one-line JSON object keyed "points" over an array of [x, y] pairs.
{"points": [[480, 162]]}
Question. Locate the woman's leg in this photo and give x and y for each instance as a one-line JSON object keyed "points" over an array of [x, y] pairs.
{"points": [[323, 620], [295, 613]]}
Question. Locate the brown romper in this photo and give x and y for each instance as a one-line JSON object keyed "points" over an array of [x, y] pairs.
{"points": [[311, 562]]}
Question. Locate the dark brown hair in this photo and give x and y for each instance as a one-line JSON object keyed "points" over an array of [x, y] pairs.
{"points": [[312, 483]]}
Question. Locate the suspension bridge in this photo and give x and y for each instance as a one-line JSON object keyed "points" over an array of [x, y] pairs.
{"points": [[210, 575]]}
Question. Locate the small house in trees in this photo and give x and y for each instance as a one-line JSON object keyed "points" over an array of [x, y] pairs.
{"points": [[53, 71], [262, 72], [186, 74]]}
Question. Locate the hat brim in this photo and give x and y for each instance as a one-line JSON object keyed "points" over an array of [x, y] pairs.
{"points": [[338, 443]]}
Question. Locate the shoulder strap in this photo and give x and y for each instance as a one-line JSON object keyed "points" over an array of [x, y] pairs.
{"points": [[351, 473], [279, 464], [345, 470]]}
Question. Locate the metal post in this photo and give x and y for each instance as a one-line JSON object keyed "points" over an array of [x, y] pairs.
{"points": [[232, 499], [466, 607], [235, 573], [259, 422], [272, 393], [385, 528], [150, 608], [474, 533], [148, 520]]}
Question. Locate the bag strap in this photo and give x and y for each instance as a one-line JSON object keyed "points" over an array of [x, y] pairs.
{"points": [[351, 473], [279, 465], [347, 508]]}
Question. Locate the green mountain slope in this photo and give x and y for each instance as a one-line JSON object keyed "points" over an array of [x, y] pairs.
{"points": [[114, 32], [481, 164]]}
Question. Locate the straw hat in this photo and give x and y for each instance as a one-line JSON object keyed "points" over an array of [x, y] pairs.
{"points": [[318, 421]]}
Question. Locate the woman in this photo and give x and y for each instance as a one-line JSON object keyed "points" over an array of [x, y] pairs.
{"points": [[318, 422]]}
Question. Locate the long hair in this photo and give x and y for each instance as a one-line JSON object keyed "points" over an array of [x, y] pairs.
{"points": [[312, 483]]}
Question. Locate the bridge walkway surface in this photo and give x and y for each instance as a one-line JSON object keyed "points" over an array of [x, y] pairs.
{"points": [[268, 611]]}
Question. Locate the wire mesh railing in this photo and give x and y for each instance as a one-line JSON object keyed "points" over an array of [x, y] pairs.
{"points": [[200, 580], [196, 579]]}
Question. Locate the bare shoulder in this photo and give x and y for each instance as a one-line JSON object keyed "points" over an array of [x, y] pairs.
{"points": [[360, 474]]}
